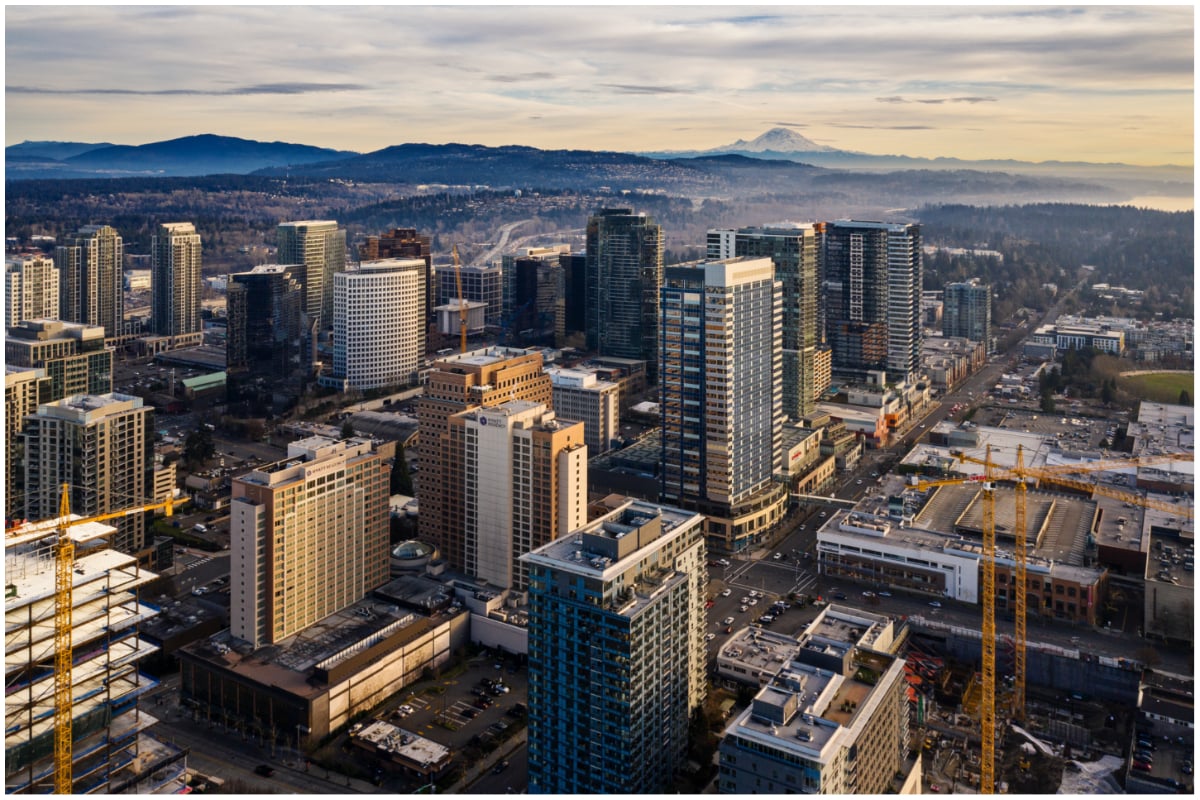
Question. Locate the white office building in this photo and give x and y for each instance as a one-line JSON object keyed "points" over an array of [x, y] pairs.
{"points": [[378, 323], [581, 395]]}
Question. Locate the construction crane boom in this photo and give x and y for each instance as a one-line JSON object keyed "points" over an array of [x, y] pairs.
{"points": [[64, 566]]}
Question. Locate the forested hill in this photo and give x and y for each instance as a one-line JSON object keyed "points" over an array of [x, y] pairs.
{"points": [[1045, 243]]}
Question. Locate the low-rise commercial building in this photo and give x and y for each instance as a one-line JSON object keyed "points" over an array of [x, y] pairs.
{"points": [[317, 680]]}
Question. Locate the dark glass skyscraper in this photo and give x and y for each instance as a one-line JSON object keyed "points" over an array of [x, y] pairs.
{"points": [[624, 273], [873, 274]]}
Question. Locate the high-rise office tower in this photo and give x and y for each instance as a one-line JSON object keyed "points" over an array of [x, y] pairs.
{"points": [[583, 396], [624, 273], [264, 332], [574, 267], [308, 537], [795, 251], [873, 274], [379, 323], [102, 446], [534, 289], [459, 383], [616, 651], [22, 385], [721, 400], [175, 291], [32, 286], [318, 249], [111, 753], [74, 356], [967, 311], [525, 485], [91, 278], [405, 243], [480, 284]]}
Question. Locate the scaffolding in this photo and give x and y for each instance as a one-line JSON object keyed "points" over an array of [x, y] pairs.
{"points": [[104, 648]]}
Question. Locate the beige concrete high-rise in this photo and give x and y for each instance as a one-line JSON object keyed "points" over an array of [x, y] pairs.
{"points": [[32, 286], [74, 356], [22, 386], [457, 383], [308, 537], [175, 290], [318, 249], [101, 447], [91, 278], [525, 485], [583, 396]]}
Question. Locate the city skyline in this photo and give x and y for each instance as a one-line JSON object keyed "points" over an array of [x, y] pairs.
{"points": [[1096, 83]]}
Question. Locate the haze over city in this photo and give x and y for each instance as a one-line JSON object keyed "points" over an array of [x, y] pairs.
{"points": [[1097, 84]]}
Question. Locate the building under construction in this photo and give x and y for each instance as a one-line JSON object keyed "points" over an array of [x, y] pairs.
{"points": [[111, 752]]}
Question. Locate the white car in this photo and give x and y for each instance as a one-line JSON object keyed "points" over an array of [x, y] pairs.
{"points": [[754, 593], [753, 602], [727, 621], [777, 556], [935, 604], [742, 607], [708, 637], [726, 592], [724, 562]]}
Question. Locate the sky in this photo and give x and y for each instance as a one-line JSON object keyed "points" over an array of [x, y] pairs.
{"points": [[1035, 83]]}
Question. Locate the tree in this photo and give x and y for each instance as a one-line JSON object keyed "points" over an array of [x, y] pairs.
{"points": [[1047, 403], [1185, 399], [401, 482], [347, 428], [198, 446]]}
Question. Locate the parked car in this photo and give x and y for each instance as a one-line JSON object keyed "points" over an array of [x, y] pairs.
{"points": [[727, 621], [265, 770], [726, 592], [708, 637], [1142, 766], [885, 594], [503, 765], [934, 604]]}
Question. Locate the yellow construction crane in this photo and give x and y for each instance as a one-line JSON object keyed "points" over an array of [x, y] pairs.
{"points": [[1021, 476], [462, 306], [64, 565], [987, 703]]}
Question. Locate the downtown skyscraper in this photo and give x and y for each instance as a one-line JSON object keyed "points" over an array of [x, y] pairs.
{"points": [[623, 274], [616, 651], [720, 396], [317, 249], [795, 250], [873, 279], [967, 311], [175, 289], [91, 278]]}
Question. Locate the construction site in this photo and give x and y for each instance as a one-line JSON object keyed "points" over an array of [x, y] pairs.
{"points": [[71, 653]]}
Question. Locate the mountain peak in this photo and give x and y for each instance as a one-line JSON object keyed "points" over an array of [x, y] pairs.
{"points": [[779, 140]]}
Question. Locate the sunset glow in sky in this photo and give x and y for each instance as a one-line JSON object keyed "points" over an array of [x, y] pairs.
{"points": [[1095, 83]]}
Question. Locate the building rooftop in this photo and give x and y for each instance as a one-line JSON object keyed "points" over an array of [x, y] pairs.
{"points": [[483, 357], [1170, 560], [204, 356], [397, 742], [292, 664], [608, 546]]}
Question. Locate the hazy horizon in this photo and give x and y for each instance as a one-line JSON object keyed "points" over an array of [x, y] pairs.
{"points": [[1065, 83]]}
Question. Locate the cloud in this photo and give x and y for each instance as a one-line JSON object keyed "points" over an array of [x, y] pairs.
{"points": [[528, 76], [789, 124], [883, 127], [936, 100], [261, 88], [634, 89]]}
